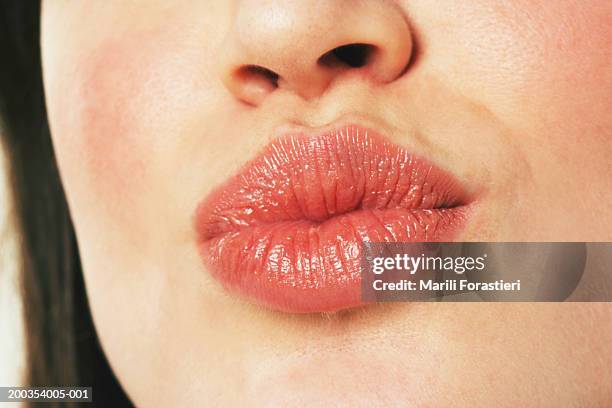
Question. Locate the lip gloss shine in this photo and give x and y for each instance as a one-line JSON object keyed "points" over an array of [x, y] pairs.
{"points": [[287, 231]]}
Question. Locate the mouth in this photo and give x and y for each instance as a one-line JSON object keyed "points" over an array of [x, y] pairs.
{"points": [[287, 231]]}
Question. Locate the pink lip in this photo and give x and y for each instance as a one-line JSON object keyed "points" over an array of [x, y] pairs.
{"points": [[286, 232]]}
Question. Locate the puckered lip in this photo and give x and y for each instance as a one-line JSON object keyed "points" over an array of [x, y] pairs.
{"points": [[286, 231]]}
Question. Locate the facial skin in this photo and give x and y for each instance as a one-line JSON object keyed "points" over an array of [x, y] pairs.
{"points": [[150, 109]]}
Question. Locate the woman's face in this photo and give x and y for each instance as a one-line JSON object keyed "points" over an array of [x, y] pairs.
{"points": [[155, 105]]}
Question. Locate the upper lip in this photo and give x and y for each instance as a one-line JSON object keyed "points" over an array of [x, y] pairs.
{"points": [[287, 229], [304, 177]]}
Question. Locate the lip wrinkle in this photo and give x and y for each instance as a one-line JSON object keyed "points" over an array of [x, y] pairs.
{"points": [[286, 232]]}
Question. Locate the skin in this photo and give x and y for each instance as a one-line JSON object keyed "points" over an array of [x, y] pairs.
{"points": [[150, 110]]}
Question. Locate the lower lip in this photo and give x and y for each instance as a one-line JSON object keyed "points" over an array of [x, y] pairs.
{"points": [[287, 231]]}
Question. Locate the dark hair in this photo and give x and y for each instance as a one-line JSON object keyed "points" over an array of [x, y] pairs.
{"points": [[61, 343]]}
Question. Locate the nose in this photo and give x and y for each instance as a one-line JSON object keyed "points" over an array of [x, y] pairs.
{"points": [[302, 46]]}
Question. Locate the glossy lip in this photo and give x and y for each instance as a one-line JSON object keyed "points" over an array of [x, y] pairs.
{"points": [[286, 231]]}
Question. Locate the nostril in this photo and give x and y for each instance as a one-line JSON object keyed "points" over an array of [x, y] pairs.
{"points": [[252, 83], [353, 55], [256, 73]]}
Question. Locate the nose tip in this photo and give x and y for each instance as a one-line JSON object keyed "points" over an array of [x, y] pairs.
{"points": [[303, 45]]}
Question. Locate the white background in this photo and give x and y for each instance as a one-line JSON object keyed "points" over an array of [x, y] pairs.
{"points": [[11, 336]]}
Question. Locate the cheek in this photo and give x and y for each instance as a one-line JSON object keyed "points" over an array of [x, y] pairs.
{"points": [[515, 54], [107, 131], [101, 113], [571, 52]]}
